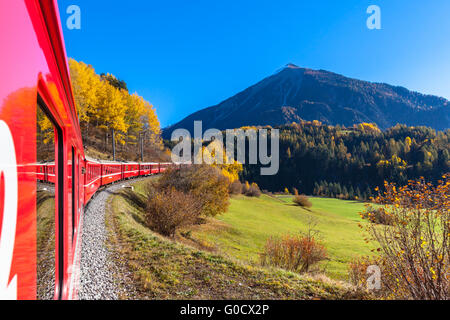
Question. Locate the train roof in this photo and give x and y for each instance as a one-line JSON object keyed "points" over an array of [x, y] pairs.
{"points": [[121, 162]]}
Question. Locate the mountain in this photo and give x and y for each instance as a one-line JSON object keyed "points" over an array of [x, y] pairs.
{"points": [[294, 94]]}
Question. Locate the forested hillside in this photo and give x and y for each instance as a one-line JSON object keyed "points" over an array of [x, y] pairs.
{"points": [[350, 162], [106, 109]]}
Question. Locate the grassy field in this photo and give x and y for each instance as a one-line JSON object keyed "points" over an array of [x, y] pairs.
{"points": [[164, 269], [243, 230]]}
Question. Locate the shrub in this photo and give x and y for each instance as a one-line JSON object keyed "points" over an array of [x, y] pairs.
{"points": [[357, 271], [235, 187], [302, 200], [377, 215], [415, 247], [253, 191], [205, 183], [169, 209], [296, 253], [245, 187], [359, 275]]}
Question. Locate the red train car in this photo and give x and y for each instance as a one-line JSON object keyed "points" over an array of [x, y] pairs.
{"points": [[41, 143], [146, 169], [50, 173], [111, 172], [41, 172], [164, 166], [92, 179], [130, 170], [35, 88], [154, 168]]}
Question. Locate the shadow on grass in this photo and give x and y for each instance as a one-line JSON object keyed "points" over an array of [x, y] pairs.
{"points": [[137, 201], [43, 196], [297, 206]]}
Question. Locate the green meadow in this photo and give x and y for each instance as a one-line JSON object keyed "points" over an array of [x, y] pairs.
{"points": [[242, 231], [166, 269]]}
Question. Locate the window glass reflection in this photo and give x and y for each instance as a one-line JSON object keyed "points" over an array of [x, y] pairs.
{"points": [[45, 206]]}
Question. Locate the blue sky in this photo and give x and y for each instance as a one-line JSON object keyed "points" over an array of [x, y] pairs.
{"points": [[186, 55]]}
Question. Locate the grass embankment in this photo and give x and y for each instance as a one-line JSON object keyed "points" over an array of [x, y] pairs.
{"points": [[164, 269], [97, 154], [242, 232]]}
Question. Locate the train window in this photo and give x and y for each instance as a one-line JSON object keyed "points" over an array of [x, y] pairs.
{"points": [[49, 208], [73, 191], [45, 208]]}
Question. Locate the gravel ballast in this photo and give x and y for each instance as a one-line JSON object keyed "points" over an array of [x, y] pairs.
{"points": [[97, 269]]}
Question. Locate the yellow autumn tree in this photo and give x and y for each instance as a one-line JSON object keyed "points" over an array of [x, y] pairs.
{"points": [[44, 137], [135, 109], [229, 168], [86, 85], [111, 112], [105, 107], [152, 121], [141, 118], [368, 127]]}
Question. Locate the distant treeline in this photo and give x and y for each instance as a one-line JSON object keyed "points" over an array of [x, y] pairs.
{"points": [[335, 161]]}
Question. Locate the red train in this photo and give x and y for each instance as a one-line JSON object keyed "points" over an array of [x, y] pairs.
{"points": [[101, 173], [45, 178]]}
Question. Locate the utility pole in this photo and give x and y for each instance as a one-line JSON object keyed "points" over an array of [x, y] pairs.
{"points": [[141, 144], [113, 145]]}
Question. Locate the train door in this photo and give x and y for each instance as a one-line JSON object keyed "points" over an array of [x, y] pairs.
{"points": [[81, 182], [80, 187], [74, 174]]}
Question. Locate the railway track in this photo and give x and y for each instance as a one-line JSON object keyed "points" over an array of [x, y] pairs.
{"points": [[100, 276]]}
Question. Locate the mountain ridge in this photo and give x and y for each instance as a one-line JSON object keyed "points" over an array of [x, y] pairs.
{"points": [[294, 93]]}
